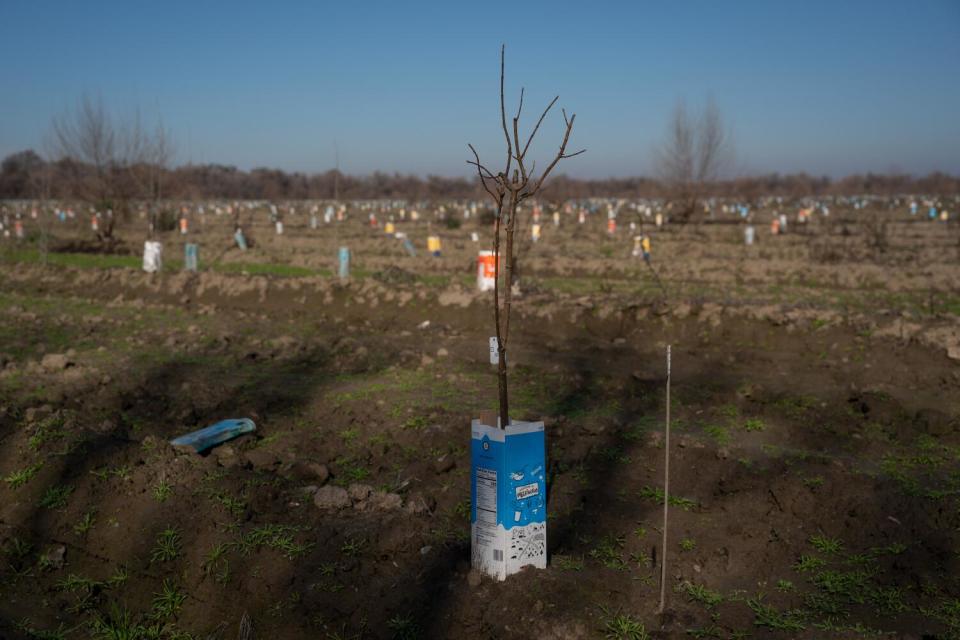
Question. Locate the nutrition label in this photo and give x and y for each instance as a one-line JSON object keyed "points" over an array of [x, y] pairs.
{"points": [[486, 496]]}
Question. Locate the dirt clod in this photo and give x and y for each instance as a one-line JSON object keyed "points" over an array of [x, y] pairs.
{"points": [[56, 362], [331, 498]]}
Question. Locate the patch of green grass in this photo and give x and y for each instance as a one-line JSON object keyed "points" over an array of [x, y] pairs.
{"points": [[162, 490], [785, 586], [216, 563], [808, 563], [352, 547], [710, 631], [728, 410], [947, 612], [720, 434], [754, 424], [85, 523], [119, 577], [568, 563], [404, 627], [60, 633], [772, 618], [824, 544], [122, 472], [17, 548], [614, 454], [235, 506], [688, 544], [701, 594], [620, 626], [279, 537], [796, 406], [56, 497], [849, 586], [17, 479], [119, 624], [167, 547], [636, 432], [167, 601], [893, 549], [656, 493], [609, 552], [48, 430], [888, 601], [76, 260], [349, 471]]}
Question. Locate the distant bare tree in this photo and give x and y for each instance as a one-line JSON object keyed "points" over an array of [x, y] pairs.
{"points": [[692, 157], [115, 160], [159, 154]]}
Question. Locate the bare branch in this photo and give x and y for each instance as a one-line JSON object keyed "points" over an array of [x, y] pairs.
{"points": [[503, 110], [483, 180], [560, 154], [542, 116]]}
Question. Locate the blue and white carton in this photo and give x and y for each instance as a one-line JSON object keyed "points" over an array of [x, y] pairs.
{"points": [[508, 515]]}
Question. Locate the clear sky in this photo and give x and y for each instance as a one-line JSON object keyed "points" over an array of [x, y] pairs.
{"points": [[825, 87]]}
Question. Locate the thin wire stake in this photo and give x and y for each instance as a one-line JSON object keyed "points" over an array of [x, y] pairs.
{"points": [[666, 498]]}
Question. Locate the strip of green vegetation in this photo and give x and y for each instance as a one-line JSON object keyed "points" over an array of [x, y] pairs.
{"points": [[79, 260], [111, 261]]}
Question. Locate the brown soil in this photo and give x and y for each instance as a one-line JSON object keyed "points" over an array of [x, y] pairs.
{"points": [[814, 448]]}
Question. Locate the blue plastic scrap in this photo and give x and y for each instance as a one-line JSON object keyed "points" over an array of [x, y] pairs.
{"points": [[215, 434]]}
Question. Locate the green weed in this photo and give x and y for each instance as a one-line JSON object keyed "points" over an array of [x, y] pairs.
{"points": [[656, 493], [352, 547], [19, 478], [771, 618], [785, 586], [403, 628], [824, 544], [568, 563], [86, 523], [56, 497], [701, 594], [278, 537], [609, 552], [720, 434], [167, 601], [162, 490], [618, 626], [167, 547], [808, 563]]}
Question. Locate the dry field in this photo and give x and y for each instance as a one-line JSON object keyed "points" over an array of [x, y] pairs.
{"points": [[815, 463]]}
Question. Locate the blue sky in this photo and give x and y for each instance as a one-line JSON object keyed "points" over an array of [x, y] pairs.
{"points": [[824, 87]]}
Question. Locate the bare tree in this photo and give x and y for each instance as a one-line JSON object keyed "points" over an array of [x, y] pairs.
{"points": [[41, 182], [113, 158], [694, 153], [159, 155], [508, 188]]}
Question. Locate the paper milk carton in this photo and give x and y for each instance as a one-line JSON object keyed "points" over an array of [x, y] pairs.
{"points": [[508, 517]]}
